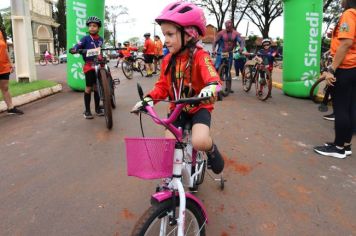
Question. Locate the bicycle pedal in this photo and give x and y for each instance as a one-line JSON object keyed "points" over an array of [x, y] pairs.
{"points": [[116, 81]]}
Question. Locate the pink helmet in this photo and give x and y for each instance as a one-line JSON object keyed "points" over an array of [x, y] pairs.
{"points": [[184, 14]]}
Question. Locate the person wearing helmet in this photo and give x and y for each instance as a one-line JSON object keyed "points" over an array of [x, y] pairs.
{"points": [[90, 41], [267, 53], [188, 71], [128, 50], [227, 40], [148, 54], [158, 53]]}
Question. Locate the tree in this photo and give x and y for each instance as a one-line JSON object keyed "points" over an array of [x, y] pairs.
{"points": [[238, 8], [134, 40], [61, 19], [6, 22], [218, 8], [263, 12], [332, 12], [251, 43], [114, 12]]}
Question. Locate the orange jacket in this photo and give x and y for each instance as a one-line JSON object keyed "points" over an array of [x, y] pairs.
{"points": [[345, 29], [158, 48], [203, 72], [5, 64]]}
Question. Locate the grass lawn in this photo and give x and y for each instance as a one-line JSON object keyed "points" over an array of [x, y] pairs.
{"points": [[17, 89]]}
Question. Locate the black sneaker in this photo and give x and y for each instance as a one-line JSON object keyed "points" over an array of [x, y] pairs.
{"points": [[348, 151], [100, 111], [330, 117], [148, 75], [331, 151], [88, 115], [154, 73], [215, 161], [14, 111]]}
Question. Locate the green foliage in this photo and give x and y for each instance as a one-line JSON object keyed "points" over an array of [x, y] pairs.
{"points": [[17, 89], [251, 42]]}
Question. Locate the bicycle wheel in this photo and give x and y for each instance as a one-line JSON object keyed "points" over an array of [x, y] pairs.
{"points": [[113, 99], [319, 87], [55, 61], [264, 85], [43, 62], [106, 97], [222, 73], [140, 62], [127, 69], [247, 78], [157, 218]]}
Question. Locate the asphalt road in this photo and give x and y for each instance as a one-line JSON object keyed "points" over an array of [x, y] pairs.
{"points": [[63, 175]]}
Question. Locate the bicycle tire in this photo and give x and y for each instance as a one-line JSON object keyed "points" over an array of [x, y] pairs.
{"points": [[160, 210], [106, 98], [313, 92], [55, 61], [222, 73], [247, 78], [113, 99], [127, 69], [141, 65], [42, 62], [263, 96]]}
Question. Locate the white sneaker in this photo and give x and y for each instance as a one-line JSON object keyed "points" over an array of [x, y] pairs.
{"points": [[235, 78]]}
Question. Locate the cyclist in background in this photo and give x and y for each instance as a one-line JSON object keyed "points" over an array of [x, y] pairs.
{"points": [[91, 41], [158, 53], [239, 60], [126, 52], [226, 41], [120, 57], [188, 71], [148, 53], [267, 54]]}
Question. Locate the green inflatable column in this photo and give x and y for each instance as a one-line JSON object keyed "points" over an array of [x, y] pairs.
{"points": [[301, 46], [77, 13]]}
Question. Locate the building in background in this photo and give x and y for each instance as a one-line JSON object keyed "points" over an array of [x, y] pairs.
{"points": [[42, 24]]}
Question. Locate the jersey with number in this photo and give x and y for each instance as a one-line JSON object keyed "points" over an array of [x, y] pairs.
{"points": [[89, 42]]}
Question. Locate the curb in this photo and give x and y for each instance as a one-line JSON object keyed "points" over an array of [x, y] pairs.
{"points": [[33, 96], [319, 97]]}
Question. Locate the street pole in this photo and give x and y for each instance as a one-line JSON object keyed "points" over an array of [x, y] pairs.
{"points": [[248, 25], [154, 28], [23, 41]]}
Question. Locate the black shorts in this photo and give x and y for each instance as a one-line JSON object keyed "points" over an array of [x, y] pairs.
{"points": [[148, 58], [5, 76], [202, 116], [158, 57], [90, 78]]}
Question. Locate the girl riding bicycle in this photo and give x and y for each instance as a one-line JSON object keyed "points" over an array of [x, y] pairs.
{"points": [[188, 71], [91, 41]]}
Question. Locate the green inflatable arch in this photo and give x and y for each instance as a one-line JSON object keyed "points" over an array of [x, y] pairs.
{"points": [[77, 13], [301, 46]]}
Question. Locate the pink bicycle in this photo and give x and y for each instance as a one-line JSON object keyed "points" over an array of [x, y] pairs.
{"points": [[179, 165]]}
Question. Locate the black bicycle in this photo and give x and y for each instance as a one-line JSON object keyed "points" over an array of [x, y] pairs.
{"points": [[224, 72], [104, 81], [131, 64]]}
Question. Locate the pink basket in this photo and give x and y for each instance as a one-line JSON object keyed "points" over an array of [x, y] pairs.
{"points": [[149, 158]]}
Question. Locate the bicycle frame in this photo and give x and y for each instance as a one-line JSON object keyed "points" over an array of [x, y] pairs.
{"points": [[178, 170]]}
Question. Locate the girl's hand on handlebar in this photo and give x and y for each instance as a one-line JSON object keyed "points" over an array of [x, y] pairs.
{"points": [[139, 105], [209, 91]]}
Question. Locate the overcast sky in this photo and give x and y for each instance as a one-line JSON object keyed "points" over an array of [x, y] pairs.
{"points": [[144, 13]]}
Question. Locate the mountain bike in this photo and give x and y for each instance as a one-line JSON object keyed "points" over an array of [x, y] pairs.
{"points": [[255, 71], [173, 211], [52, 59], [104, 81], [133, 64]]}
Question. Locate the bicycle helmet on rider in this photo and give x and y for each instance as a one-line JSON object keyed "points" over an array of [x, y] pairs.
{"points": [[93, 19], [147, 35], [266, 41], [184, 14], [126, 43]]}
